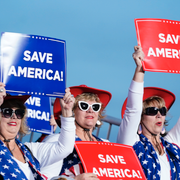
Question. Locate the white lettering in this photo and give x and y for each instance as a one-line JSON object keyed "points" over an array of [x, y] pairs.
{"points": [[38, 57], [34, 101], [117, 173], [164, 52], [35, 73], [27, 56], [170, 38], [37, 114], [162, 39], [151, 52], [100, 156]]}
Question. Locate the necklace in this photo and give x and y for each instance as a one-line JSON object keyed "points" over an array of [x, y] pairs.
{"points": [[13, 148]]}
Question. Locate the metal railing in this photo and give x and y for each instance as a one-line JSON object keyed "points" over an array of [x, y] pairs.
{"points": [[111, 121], [108, 119]]}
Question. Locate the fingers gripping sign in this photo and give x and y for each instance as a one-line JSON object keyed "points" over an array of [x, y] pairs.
{"points": [[67, 103], [138, 55], [2, 92]]}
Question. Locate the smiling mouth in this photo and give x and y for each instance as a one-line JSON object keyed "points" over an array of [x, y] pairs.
{"points": [[12, 124]]}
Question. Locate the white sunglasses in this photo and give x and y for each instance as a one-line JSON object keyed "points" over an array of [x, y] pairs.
{"points": [[84, 106]]}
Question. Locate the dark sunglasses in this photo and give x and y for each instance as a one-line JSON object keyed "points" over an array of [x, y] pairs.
{"points": [[152, 111], [84, 106], [8, 113]]}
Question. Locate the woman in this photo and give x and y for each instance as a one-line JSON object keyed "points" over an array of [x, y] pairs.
{"points": [[88, 111], [31, 160], [158, 156]]}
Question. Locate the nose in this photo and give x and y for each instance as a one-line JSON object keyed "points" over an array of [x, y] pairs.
{"points": [[158, 114], [90, 110], [14, 116]]}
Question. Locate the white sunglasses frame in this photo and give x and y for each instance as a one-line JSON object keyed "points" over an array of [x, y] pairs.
{"points": [[89, 105]]}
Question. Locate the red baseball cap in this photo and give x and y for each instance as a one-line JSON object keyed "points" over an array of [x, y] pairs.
{"points": [[103, 95], [168, 97]]}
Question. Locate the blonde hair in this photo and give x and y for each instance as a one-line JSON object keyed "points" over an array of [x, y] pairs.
{"points": [[90, 97]]}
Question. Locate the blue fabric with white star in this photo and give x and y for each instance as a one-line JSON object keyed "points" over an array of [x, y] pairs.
{"points": [[73, 158], [9, 169], [150, 162]]}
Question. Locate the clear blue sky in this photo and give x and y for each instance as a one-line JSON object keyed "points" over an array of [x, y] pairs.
{"points": [[100, 36]]}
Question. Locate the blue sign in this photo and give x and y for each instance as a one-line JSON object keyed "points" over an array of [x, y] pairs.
{"points": [[39, 114], [34, 65]]}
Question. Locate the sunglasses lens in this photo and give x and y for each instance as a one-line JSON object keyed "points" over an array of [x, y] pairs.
{"points": [[7, 113], [83, 106], [19, 113], [96, 107], [163, 111], [151, 111]]}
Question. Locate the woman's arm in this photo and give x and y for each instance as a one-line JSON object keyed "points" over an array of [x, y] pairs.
{"points": [[173, 135], [128, 129], [51, 152], [48, 153]]}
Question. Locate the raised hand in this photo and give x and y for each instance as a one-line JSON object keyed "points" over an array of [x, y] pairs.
{"points": [[67, 103], [138, 55], [2, 92]]}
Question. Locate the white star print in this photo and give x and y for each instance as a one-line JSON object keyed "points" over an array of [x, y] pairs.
{"points": [[175, 147], [2, 152], [75, 155], [35, 175], [174, 169], [17, 170], [157, 160], [154, 165], [145, 162], [13, 175], [154, 177], [70, 162], [5, 166], [168, 145], [153, 152], [149, 156], [2, 173], [140, 154], [159, 173], [9, 161], [149, 172]]}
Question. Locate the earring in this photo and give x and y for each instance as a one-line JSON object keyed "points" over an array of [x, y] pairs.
{"points": [[139, 129], [163, 130], [98, 123]]}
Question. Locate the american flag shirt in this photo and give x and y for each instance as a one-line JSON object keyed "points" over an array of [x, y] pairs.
{"points": [[150, 162], [10, 170], [72, 165]]}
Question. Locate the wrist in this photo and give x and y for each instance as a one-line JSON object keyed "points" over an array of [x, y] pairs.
{"points": [[67, 113]]}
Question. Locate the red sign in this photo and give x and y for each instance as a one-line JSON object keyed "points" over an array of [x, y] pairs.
{"points": [[110, 160], [160, 41]]}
